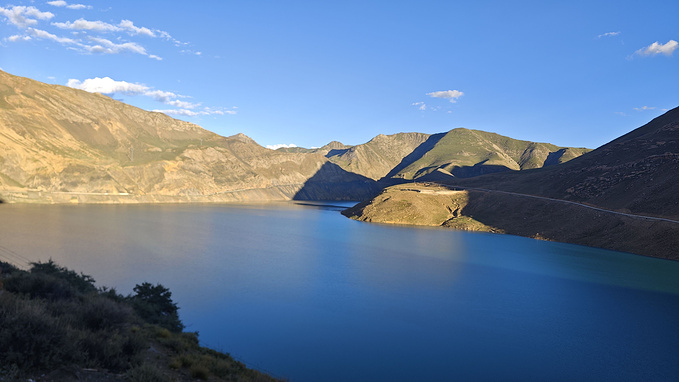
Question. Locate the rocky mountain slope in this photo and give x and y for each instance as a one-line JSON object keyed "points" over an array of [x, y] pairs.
{"points": [[376, 158], [59, 144], [460, 152], [634, 173], [466, 153], [600, 199], [63, 144]]}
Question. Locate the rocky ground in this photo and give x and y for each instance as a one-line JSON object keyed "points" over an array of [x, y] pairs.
{"points": [[490, 211]]}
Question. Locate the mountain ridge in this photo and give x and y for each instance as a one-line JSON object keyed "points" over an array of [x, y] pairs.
{"points": [[59, 144], [56, 140], [599, 199]]}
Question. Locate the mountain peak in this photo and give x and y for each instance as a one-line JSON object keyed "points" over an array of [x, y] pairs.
{"points": [[243, 138]]}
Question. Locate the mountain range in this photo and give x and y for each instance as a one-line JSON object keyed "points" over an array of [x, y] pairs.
{"points": [[59, 144], [621, 196], [635, 173]]}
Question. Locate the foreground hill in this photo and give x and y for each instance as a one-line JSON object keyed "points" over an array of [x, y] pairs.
{"points": [[58, 326], [63, 144], [598, 199]]}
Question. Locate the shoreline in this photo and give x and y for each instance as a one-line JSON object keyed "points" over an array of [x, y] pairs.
{"points": [[543, 219]]}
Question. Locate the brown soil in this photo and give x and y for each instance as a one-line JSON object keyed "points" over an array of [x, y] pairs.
{"points": [[430, 205]]}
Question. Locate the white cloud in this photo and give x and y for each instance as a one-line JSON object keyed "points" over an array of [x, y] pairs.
{"points": [[101, 26], [41, 34], [183, 104], [608, 34], [82, 24], [184, 112], [451, 95], [105, 46], [17, 37], [23, 17], [656, 48], [61, 3], [643, 108], [192, 113], [280, 145], [420, 105], [129, 26], [108, 85], [161, 96]]}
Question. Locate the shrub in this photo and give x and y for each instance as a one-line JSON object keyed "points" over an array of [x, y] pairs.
{"points": [[154, 304], [7, 268], [99, 312], [145, 373], [41, 286], [31, 337], [81, 282], [199, 371], [112, 350]]}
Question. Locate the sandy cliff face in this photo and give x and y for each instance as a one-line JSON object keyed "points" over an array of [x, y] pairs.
{"points": [[60, 143]]}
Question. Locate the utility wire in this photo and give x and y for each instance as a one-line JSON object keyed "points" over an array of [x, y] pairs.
{"points": [[14, 258]]}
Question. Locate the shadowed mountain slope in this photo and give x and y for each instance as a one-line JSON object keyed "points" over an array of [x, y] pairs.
{"points": [[376, 158], [460, 152], [63, 144], [593, 200], [466, 153], [636, 172]]}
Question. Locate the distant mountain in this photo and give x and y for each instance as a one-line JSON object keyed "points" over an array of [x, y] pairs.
{"points": [[460, 152], [594, 199], [59, 143], [636, 172], [466, 153], [376, 158]]}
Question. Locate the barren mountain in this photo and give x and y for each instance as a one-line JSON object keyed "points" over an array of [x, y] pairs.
{"points": [[461, 152], [602, 198], [63, 144], [634, 173], [376, 158]]}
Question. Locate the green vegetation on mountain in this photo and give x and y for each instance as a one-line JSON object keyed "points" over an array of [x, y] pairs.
{"points": [[634, 174], [57, 326], [460, 152], [466, 153]]}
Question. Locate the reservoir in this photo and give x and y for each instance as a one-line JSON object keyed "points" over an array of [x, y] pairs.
{"points": [[301, 292]]}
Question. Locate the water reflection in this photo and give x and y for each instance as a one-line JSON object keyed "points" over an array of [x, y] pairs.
{"points": [[305, 293]]}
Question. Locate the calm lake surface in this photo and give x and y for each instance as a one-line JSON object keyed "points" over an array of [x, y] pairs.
{"points": [[303, 293]]}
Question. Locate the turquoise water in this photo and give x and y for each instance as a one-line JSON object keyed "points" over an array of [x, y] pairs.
{"points": [[304, 293]]}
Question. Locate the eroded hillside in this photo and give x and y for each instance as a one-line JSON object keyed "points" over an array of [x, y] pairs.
{"points": [[58, 143]]}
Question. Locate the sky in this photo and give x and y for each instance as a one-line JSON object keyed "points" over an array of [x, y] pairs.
{"points": [[304, 73]]}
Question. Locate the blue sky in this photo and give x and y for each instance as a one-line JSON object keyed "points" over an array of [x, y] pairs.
{"points": [[577, 73]]}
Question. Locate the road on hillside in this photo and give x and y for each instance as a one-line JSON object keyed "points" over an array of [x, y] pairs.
{"points": [[563, 201]]}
